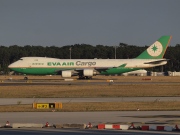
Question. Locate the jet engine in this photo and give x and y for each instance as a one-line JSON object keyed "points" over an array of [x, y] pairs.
{"points": [[66, 74], [88, 72]]}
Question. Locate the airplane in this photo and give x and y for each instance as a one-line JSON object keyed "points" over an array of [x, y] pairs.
{"points": [[87, 68]]}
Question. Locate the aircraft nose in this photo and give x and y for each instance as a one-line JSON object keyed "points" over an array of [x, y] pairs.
{"points": [[10, 66]]}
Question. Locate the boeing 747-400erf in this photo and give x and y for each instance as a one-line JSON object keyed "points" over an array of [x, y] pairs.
{"points": [[86, 68]]}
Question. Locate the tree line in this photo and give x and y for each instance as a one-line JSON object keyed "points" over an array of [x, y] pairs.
{"points": [[85, 51]]}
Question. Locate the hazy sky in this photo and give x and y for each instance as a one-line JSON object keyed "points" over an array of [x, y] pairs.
{"points": [[105, 22]]}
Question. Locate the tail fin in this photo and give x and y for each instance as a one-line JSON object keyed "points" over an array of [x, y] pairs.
{"points": [[157, 49]]}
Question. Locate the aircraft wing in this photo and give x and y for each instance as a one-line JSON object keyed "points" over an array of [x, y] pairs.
{"points": [[99, 69], [78, 71], [104, 69]]}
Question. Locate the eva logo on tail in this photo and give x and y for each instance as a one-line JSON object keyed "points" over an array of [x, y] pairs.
{"points": [[155, 49]]}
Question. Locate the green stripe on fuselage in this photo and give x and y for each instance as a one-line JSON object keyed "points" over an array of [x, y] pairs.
{"points": [[52, 71], [38, 71]]}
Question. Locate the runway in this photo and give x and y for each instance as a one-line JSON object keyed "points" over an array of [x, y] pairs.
{"points": [[156, 117], [78, 82], [14, 101]]}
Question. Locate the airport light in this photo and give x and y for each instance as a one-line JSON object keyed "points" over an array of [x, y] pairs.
{"points": [[115, 52], [70, 53]]}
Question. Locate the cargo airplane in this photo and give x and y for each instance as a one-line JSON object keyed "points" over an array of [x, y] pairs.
{"points": [[86, 68]]}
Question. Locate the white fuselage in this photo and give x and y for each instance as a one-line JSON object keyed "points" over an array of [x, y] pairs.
{"points": [[44, 62]]}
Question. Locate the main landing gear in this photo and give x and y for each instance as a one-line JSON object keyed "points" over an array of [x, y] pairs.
{"points": [[85, 77]]}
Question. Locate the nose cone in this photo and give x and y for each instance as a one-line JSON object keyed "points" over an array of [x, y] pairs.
{"points": [[14, 67]]}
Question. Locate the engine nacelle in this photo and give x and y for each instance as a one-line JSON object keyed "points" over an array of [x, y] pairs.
{"points": [[88, 72], [124, 74], [66, 74]]}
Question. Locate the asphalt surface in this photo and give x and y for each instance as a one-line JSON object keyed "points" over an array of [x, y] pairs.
{"points": [[80, 83], [121, 117], [85, 82], [80, 132], [13, 101], [154, 117]]}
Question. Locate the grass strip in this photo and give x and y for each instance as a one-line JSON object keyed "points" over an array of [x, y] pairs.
{"points": [[66, 91]]}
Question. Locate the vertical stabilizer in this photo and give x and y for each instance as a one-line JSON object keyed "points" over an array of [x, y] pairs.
{"points": [[157, 49]]}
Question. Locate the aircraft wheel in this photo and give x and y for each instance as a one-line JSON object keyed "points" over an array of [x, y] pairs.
{"points": [[25, 78], [82, 77], [88, 78]]}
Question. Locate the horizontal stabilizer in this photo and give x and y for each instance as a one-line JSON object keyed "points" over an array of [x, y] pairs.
{"points": [[156, 62]]}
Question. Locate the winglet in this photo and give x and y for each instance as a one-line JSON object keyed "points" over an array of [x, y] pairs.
{"points": [[157, 49]]}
